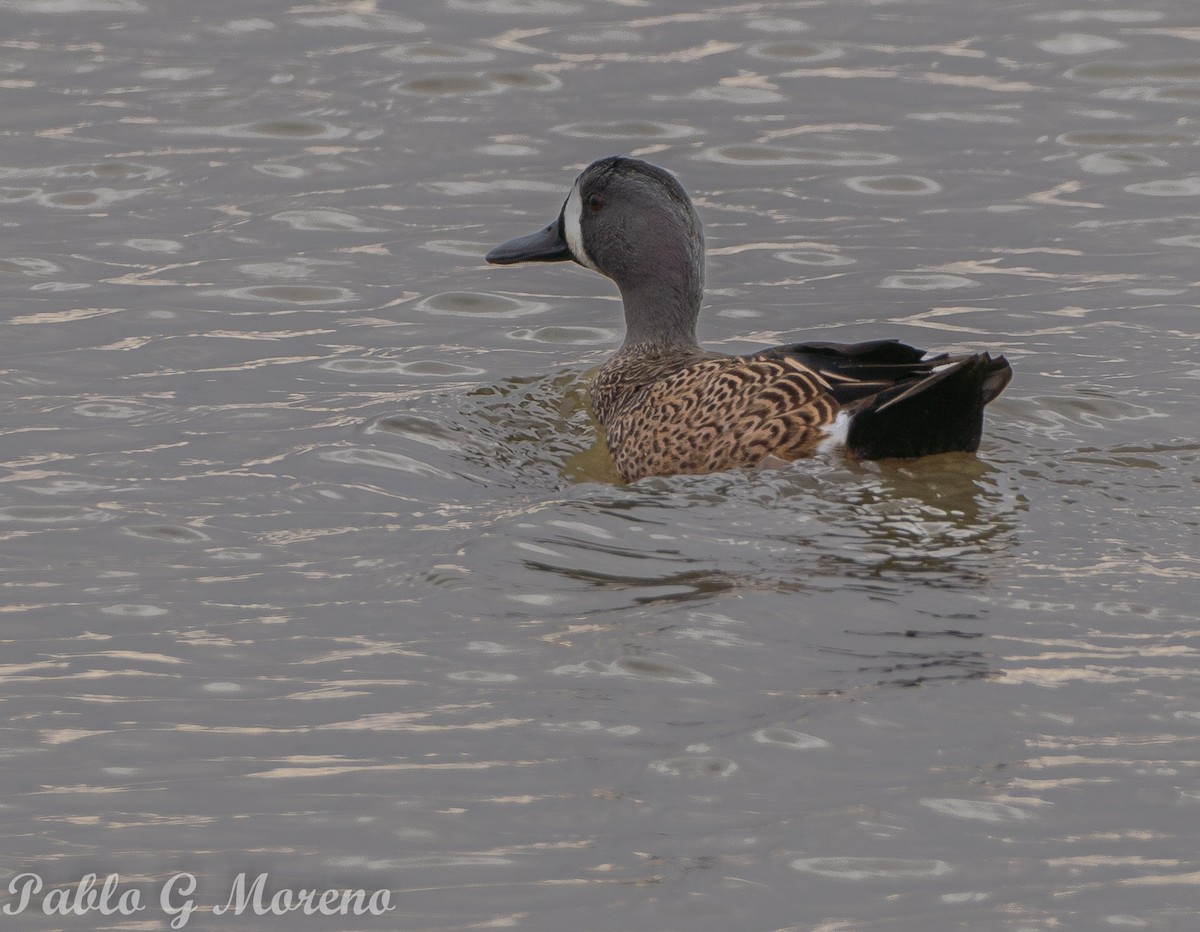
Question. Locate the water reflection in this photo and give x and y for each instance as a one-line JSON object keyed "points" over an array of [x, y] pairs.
{"points": [[895, 531]]}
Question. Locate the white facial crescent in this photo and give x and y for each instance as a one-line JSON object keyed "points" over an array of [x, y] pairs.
{"points": [[572, 226]]}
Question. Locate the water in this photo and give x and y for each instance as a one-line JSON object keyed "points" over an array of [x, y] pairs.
{"points": [[310, 568]]}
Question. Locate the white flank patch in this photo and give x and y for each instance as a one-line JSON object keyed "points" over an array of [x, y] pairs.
{"points": [[835, 433], [573, 227]]}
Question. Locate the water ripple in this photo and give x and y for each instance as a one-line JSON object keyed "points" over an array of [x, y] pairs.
{"points": [[978, 810], [479, 305], [437, 368], [793, 50], [931, 282], [707, 766], [369, 22], [287, 294], [830, 258], [317, 219], [1115, 163], [1106, 71], [458, 84], [50, 514], [421, 429], [266, 129], [626, 129], [1077, 43], [568, 336], [859, 868], [383, 459], [747, 154], [905, 185], [1177, 187], [1106, 138], [77, 6], [786, 737], [637, 667], [517, 7], [425, 53]]}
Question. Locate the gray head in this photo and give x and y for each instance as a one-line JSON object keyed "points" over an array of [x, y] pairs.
{"points": [[632, 222]]}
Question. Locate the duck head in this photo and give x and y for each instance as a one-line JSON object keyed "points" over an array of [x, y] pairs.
{"points": [[632, 222]]}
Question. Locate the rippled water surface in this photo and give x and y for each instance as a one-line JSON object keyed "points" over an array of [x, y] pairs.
{"points": [[311, 567]]}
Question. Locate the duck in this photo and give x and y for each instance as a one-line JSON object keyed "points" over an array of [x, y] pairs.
{"points": [[666, 406]]}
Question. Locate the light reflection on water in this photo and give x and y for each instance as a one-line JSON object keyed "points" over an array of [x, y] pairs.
{"points": [[315, 567]]}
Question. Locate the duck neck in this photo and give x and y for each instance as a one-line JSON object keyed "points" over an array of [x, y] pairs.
{"points": [[661, 311]]}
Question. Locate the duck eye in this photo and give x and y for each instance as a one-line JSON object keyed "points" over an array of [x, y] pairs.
{"points": [[595, 201]]}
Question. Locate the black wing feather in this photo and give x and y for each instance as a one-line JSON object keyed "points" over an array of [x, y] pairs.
{"points": [[903, 403]]}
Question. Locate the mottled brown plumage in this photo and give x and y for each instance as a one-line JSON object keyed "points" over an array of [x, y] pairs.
{"points": [[667, 406], [665, 414]]}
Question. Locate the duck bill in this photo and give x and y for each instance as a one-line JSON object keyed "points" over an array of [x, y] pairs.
{"points": [[548, 245]]}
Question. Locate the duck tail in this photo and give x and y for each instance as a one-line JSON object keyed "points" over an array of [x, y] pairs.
{"points": [[940, 413]]}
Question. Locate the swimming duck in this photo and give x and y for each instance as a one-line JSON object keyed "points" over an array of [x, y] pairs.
{"points": [[667, 406]]}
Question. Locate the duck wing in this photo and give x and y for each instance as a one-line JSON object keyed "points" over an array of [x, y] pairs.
{"points": [[901, 402]]}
